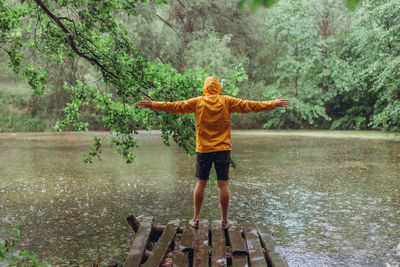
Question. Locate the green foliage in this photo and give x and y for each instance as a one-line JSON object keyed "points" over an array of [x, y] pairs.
{"points": [[17, 123], [254, 4], [95, 151], [305, 111], [364, 71], [35, 78], [387, 108], [299, 74], [340, 69], [210, 52], [352, 4], [91, 30], [13, 117], [11, 253], [213, 176], [313, 52], [232, 79]]}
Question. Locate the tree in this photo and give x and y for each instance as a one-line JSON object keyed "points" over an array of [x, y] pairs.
{"points": [[296, 27], [92, 31], [364, 70]]}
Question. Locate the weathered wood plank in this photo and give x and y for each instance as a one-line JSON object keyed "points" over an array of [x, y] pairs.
{"points": [[188, 236], [238, 250], [181, 259], [256, 254], [277, 260], [218, 254], [236, 240], [160, 248], [271, 251], [203, 255], [139, 243], [200, 257], [184, 255], [239, 261]]}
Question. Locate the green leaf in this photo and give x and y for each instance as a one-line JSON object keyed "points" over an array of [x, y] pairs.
{"points": [[352, 4]]}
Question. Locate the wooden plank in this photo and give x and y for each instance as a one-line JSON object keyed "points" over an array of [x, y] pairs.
{"points": [[277, 260], [181, 259], [188, 236], [203, 255], [218, 254], [236, 241], [238, 250], [239, 261], [139, 243], [185, 250], [256, 254], [266, 237], [270, 248], [161, 248], [200, 257]]}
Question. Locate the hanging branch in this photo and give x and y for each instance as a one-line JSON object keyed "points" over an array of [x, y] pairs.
{"points": [[72, 43], [71, 38], [166, 22]]}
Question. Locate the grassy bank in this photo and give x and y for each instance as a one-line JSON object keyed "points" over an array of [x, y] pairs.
{"points": [[13, 115], [364, 134], [16, 123], [22, 112], [15, 96]]}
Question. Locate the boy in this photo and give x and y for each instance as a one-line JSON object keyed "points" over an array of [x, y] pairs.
{"points": [[213, 136]]}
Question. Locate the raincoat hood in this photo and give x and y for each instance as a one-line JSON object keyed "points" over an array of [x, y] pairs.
{"points": [[212, 86]]}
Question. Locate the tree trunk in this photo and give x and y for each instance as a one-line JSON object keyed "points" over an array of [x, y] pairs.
{"points": [[326, 29], [387, 28], [296, 79], [32, 107]]}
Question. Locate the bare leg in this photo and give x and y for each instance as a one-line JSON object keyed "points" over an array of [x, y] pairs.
{"points": [[198, 196], [223, 198]]}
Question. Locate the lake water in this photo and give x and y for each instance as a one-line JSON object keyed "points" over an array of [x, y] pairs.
{"points": [[328, 201]]}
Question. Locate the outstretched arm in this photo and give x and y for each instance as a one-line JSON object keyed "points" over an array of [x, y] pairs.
{"points": [[245, 106], [179, 107]]}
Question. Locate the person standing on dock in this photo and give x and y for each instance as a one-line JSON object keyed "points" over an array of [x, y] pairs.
{"points": [[213, 136]]}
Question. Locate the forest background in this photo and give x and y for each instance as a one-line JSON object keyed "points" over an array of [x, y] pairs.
{"points": [[339, 68]]}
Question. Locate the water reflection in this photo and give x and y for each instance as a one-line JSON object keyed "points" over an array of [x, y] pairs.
{"points": [[329, 201]]}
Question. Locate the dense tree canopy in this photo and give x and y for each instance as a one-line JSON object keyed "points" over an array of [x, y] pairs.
{"points": [[340, 69], [65, 30]]}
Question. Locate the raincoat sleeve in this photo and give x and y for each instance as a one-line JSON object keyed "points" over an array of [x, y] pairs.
{"points": [[179, 107], [237, 105]]}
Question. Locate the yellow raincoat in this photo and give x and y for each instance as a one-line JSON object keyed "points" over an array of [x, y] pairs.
{"points": [[212, 112]]}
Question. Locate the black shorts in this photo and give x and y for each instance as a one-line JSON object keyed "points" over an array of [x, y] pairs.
{"points": [[221, 159]]}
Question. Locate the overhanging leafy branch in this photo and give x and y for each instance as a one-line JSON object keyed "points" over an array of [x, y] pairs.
{"points": [[90, 30]]}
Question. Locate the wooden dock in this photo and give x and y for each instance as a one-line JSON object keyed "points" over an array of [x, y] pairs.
{"points": [[177, 244]]}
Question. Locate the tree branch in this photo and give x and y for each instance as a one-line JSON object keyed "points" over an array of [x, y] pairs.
{"points": [[180, 2], [166, 22], [71, 40]]}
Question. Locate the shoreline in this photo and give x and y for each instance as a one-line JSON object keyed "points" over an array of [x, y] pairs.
{"points": [[361, 134]]}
